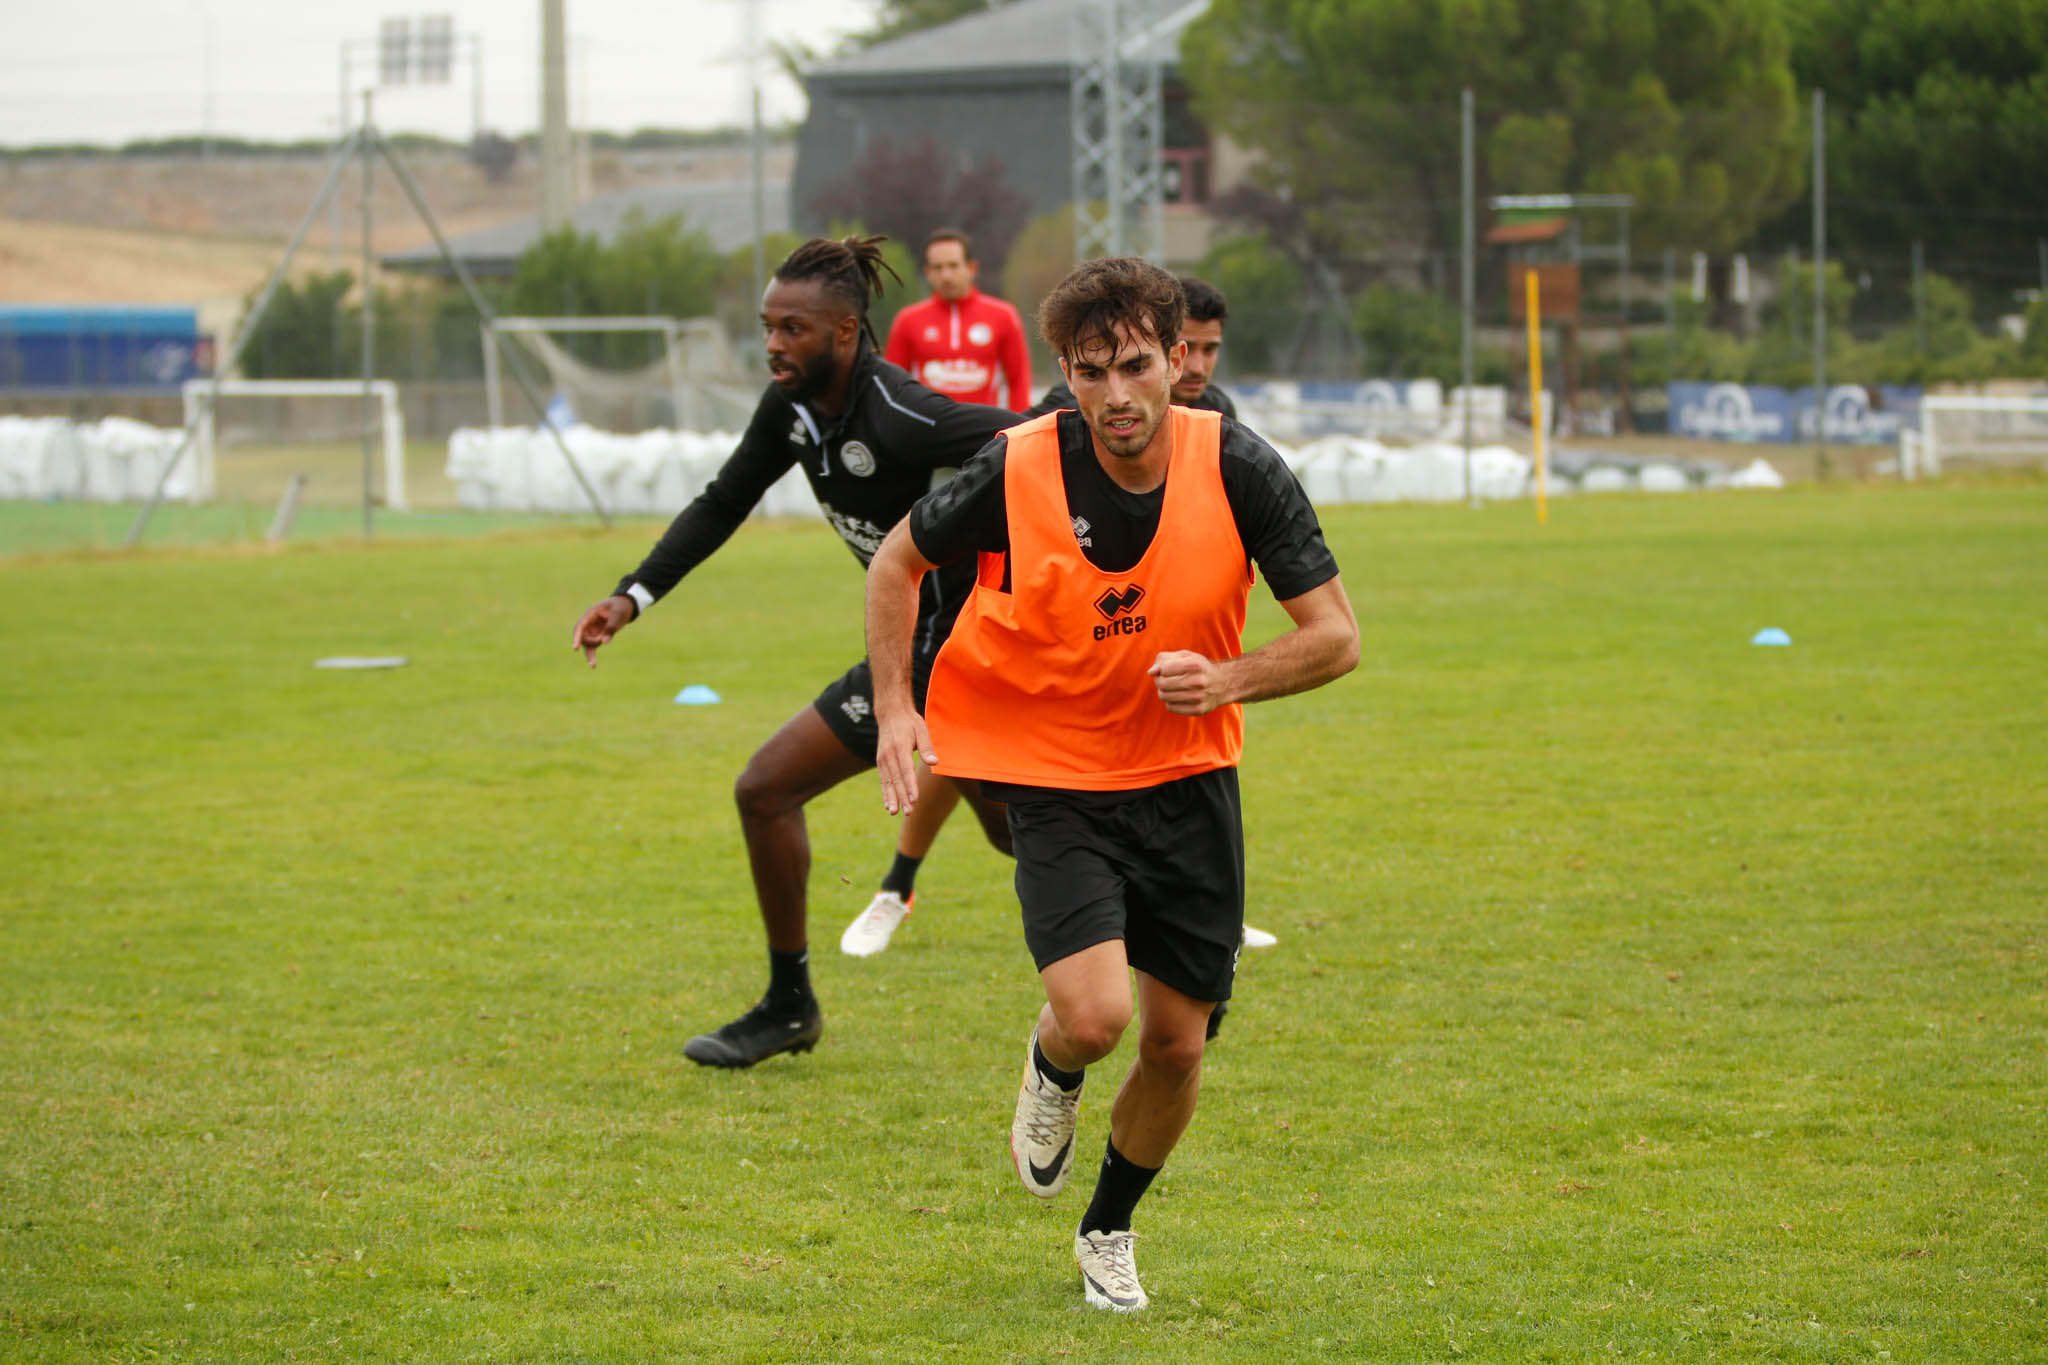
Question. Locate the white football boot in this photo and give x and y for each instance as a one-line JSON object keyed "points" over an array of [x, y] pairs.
{"points": [[870, 930]]}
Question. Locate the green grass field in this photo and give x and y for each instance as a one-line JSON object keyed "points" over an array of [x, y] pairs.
{"points": [[1641, 994]]}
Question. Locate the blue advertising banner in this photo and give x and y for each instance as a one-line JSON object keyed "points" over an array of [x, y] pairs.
{"points": [[96, 347], [1855, 415]]}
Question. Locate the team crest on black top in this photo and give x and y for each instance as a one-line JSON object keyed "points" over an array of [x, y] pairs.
{"points": [[797, 434], [858, 459]]}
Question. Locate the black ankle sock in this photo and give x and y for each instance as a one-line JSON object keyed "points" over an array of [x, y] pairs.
{"points": [[902, 878], [1065, 1080], [789, 980], [1119, 1187]]}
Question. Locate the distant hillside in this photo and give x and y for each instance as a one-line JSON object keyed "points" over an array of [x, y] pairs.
{"points": [[189, 229]]}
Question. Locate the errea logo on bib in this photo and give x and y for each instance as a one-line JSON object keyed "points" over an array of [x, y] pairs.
{"points": [[1119, 610], [858, 459]]}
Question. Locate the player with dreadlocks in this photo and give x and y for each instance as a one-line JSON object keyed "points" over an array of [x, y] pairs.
{"points": [[868, 438]]}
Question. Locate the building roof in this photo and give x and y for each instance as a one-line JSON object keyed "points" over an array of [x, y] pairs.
{"points": [[1519, 231], [723, 210], [1020, 35]]}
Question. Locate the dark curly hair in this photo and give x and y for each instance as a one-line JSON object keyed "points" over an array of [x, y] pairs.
{"points": [[850, 269], [1084, 310], [1205, 301]]}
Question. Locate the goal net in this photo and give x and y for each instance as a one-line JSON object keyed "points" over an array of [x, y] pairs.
{"points": [[625, 374], [1975, 431], [264, 433]]}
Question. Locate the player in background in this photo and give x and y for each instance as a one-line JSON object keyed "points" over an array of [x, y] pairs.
{"points": [[868, 438], [1095, 685], [961, 342], [969, 346]]}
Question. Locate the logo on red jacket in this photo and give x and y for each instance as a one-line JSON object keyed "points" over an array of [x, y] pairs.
{"points": [[980, 334]]}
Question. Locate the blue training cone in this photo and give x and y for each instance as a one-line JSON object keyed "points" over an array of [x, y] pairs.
{"points": [[696, 694], [1769, 635]]}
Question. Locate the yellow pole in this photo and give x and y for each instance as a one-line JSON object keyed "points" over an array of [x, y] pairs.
{"points": [[1537, 407]]}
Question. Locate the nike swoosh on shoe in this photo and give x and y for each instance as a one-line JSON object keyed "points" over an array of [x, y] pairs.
{"points": [[1044, 1175]]}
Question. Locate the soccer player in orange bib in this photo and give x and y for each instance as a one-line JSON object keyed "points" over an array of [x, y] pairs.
{"points": [[1094, 683]]}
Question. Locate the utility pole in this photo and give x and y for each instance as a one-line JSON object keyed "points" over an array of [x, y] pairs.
{"points": [[1919, 298], [369, 302], [1465, 177], [1820, 282], [754, 149], [557, 197]]}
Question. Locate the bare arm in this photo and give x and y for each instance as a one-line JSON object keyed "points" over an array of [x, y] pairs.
{"points": [[893, 578], [1323, 645]]}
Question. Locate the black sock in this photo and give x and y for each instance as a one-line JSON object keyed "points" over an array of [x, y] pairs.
{"points": [[789, 980], [1065, 1080], [1118, 1189], [902, 878]]}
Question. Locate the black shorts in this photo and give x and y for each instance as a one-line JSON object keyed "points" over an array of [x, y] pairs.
{"points": [[1161, 868], [848, 703]]}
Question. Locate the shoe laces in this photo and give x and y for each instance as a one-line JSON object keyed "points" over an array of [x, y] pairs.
{"points": [[1051, 1114], [1115, 1257]]}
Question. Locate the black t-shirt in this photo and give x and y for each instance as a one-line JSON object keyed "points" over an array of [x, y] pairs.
{"points": [[866, 467], [1060, 396], [1114, 527]]}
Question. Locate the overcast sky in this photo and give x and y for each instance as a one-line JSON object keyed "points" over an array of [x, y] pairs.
{"points": [[113, 70]]}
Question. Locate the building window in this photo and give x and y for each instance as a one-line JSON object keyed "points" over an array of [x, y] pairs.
{"points": [[1184, 175]]}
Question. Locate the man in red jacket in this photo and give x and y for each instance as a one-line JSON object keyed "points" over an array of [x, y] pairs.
{"points": [[958, 341]]}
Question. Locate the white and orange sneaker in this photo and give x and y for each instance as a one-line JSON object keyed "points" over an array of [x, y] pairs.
{"points": [[869, 933]]}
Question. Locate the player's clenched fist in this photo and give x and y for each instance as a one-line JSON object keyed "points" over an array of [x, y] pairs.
{"points": [[1189, 683]]}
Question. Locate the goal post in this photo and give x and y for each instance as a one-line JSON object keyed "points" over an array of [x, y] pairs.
{"points": [[201, 417], [1987, 428]]}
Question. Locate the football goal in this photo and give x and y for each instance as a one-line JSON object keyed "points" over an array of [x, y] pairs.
{"points": [[1988, 430], [274, 429], [681, 377]]}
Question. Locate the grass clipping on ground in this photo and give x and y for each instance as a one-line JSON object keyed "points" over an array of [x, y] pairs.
{"points": [[1639, 992]]}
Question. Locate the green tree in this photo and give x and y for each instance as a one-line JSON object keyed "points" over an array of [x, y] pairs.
{"points": [[1264, 288], [1937, 124], [2032, 359], [303, 329], [1782, 353], [651, 267], [1688, 105], [1407, 333], [1943, 344]]}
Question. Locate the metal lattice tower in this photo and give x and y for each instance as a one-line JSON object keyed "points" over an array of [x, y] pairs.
{"points": [[1119, 124]]}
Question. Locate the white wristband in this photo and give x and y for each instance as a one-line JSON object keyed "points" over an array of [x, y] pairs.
{"points": [[642, 598]]}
